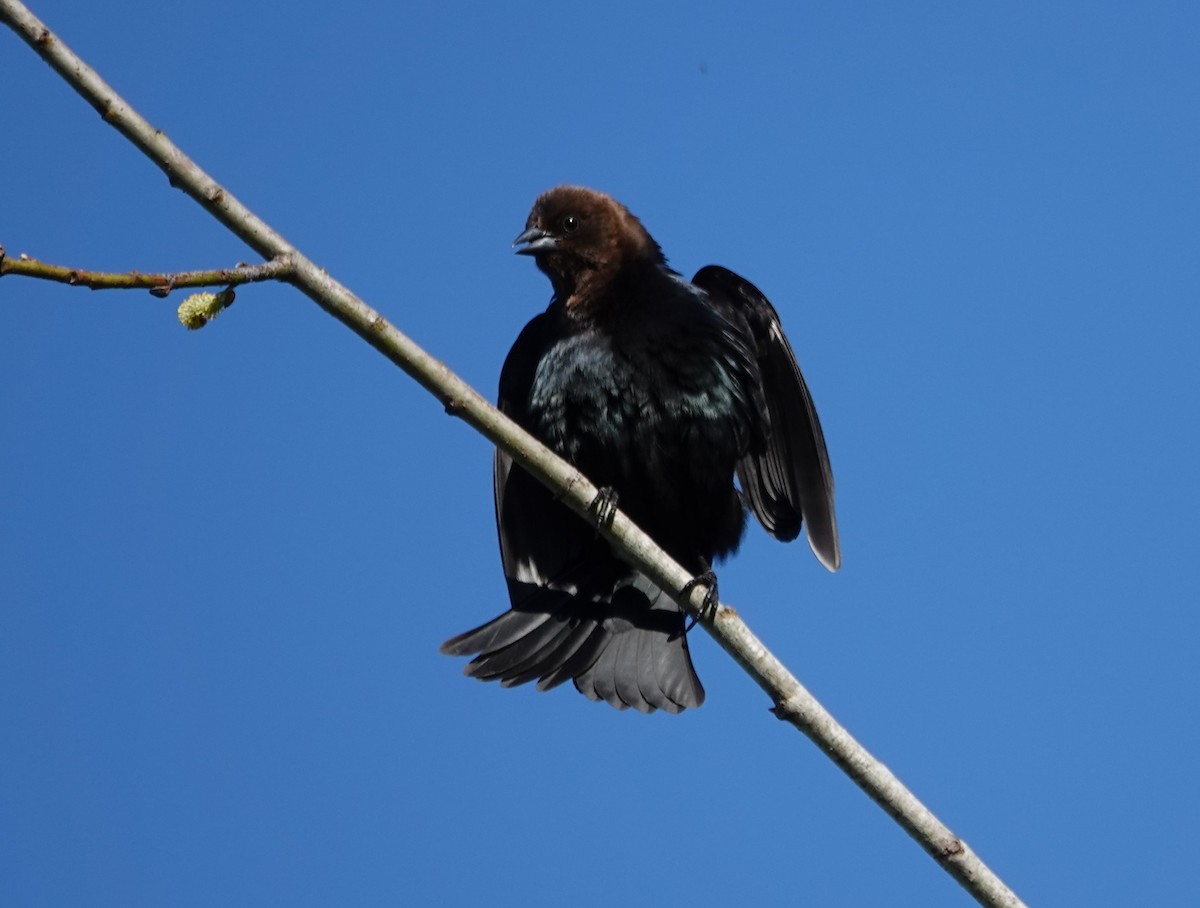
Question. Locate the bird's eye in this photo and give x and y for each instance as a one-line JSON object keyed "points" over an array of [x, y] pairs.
{"points": [[570, 223]]}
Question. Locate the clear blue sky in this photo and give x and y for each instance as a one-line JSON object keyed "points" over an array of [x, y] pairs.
{"points": [[227, 558]]}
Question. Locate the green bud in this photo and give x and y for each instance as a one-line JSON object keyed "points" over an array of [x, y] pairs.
{"points": [[201, 308]]}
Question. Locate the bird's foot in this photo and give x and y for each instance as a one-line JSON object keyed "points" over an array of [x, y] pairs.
{"points": [[605, 506], [708, 609]]}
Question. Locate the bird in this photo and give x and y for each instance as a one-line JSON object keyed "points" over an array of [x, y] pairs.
{"points": [[660, 390]]}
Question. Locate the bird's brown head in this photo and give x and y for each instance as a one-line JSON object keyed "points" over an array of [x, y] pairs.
{"points": [[581, 238]]}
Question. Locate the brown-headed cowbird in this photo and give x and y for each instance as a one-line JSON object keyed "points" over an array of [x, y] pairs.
{"points": [[659, 391]]}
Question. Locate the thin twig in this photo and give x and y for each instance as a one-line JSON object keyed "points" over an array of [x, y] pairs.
{"points": [[792, 702], [276, 269]]}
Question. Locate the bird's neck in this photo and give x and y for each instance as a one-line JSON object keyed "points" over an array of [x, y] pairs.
{"points": [[602, 293]]}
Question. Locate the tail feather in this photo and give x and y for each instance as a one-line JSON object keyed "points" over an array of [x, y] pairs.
{"points": [[559, 652], [675, 676], [625, 647], [627, 672], [534, 649], [590, 647], [614, 676], [495, 634]]}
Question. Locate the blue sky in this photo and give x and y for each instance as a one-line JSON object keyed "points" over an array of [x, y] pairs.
{"points": [[227, 558]]}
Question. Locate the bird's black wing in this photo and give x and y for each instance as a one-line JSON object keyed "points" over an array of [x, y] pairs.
{"points": [[786, 474], [516, 526]]}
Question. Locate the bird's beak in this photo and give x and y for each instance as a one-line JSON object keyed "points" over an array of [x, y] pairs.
{"points": [[536, 240]]}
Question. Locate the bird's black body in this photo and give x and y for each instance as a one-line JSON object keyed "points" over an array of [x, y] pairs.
{"points": [[658, 390]]}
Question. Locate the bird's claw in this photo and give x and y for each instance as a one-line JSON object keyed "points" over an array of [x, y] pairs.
{"points": [[605, 506], [708, 608]]}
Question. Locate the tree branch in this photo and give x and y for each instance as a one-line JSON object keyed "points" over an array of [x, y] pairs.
{"points": [[277, 269], [793, 703]]}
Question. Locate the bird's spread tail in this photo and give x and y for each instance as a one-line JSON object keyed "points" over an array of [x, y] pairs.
{"points": [[624, 646]]}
